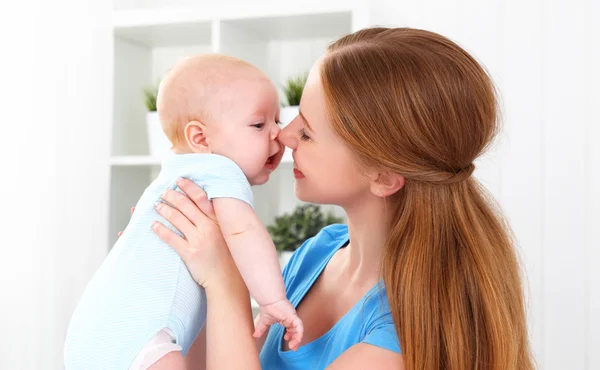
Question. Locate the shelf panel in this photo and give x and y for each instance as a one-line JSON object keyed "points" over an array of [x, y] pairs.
{"points": [[287, 156], [193, 25], [132, 160], [141, 160], [158, 33], [295, 26]]}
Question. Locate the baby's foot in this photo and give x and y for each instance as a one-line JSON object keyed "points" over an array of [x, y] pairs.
{"points": [[284, 313]]}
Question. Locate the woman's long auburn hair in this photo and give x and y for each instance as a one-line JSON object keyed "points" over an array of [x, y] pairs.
{"points": [[414, 103]]}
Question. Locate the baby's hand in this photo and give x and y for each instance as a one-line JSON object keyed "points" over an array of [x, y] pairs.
{"points": [[284, 313]]}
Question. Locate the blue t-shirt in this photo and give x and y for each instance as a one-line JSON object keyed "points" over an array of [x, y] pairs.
{"points": [[368, 321]]}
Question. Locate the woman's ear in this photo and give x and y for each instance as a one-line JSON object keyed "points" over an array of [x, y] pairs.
{"points": [[196, 137], [384, 184]]}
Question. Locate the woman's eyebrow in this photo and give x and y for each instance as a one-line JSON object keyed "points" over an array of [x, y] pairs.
{"points": [[305, 121]]}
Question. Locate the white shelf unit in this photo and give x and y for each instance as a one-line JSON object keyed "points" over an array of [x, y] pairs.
{"points": [[150, 161], [282, 40]]}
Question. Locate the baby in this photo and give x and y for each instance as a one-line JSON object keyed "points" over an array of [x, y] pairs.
{"points": [[220, 114]]}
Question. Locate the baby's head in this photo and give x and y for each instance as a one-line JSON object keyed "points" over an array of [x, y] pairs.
{"points": [[219, 104]]}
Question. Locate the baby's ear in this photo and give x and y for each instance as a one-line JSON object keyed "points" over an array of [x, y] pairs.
{"points": [[195, 136]]}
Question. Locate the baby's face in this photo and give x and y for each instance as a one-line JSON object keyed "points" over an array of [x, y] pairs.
{"points": [[247, 128]]}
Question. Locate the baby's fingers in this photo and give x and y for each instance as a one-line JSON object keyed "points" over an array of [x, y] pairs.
{"points": [[261, 328], [120, 232], [295, 342], [295, 331]]}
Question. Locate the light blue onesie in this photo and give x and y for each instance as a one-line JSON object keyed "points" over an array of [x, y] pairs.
{"points": [[143, 286]]}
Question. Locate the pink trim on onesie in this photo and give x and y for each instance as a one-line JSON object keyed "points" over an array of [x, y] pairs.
{"points": [[160, 344]]}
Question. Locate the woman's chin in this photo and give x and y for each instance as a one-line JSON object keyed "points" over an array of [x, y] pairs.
{"points": [[312, 195], [301, 193]]}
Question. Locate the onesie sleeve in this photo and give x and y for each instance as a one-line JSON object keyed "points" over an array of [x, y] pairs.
{"points": [[223, 178]]}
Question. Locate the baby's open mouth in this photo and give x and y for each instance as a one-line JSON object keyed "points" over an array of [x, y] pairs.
{"points": [[273, 161]]}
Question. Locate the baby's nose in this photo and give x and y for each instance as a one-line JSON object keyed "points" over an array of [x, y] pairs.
{"points": [[275, 132]]}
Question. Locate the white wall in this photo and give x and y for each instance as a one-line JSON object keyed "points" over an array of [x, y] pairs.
{"points": [[545, 170], [55, 104]]}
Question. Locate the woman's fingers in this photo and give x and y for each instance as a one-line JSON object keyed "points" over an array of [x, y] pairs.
{"points": [[184, 205], [171, 238], [203, 248], [132, 210], [179, 221], [198, 196]]}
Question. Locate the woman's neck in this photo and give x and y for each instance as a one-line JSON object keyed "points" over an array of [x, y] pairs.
{"points": [[368, 225]]}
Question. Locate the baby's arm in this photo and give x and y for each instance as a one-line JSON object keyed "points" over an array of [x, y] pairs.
{"points": [[256, 258], [251, 248]]}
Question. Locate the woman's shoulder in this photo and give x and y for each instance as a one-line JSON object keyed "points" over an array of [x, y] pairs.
{"points": [[311, 257], [329, 238], [322, 245]]}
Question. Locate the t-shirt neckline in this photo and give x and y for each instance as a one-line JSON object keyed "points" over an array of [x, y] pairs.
{"points": [[308, 347]]}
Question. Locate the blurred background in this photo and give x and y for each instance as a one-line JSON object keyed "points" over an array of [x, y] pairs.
{"points": [[78, 143]]}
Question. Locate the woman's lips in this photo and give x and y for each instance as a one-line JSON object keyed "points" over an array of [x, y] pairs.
{"points": [[298, 174]]}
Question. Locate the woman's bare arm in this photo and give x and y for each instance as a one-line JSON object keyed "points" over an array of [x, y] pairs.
{"points": [[229, 316], [367, 356], [229, 325]]}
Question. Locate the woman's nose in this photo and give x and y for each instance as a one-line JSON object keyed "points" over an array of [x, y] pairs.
{"points": [[288, 138]]}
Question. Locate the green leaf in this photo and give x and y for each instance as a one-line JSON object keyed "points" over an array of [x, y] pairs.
{"points": [[289, 231], [150, 94], [293, 89]]}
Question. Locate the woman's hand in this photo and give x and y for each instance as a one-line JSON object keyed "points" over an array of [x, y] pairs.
{"points": [[120, 232], [203, 248]]}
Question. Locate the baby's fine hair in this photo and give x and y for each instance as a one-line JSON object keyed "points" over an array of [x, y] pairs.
{"points": [[191, 87]]}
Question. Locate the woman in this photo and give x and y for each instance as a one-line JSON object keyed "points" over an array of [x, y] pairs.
{"points": [[391, 122]]}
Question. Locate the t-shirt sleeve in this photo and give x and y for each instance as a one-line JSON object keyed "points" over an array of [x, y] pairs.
{"points": [[384, 336], [223, 178]]}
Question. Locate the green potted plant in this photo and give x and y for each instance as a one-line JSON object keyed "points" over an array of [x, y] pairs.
{"points": [[293, 89], [158, 143], [290, 230]]}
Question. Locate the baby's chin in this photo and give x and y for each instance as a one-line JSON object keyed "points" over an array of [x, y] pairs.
{"points": [[260, 179]]}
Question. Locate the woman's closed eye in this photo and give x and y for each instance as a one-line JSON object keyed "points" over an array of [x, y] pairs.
{"points": [[303, 135]]}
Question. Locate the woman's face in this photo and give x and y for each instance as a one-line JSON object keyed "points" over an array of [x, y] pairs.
{"points": [[326, 170]]}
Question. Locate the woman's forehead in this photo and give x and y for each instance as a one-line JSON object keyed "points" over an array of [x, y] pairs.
{"points": [[312, 107]]}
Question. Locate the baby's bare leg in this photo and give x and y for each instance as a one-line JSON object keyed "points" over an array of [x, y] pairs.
{"points": [[196, 356], [171, 361], [161, 352], [195, 359]]}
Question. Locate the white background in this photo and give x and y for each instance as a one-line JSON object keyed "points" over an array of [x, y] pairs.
{"points": [[56, 87]]}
